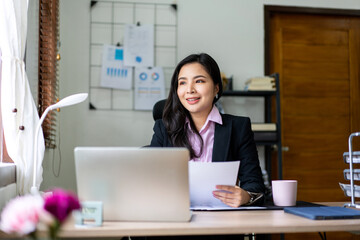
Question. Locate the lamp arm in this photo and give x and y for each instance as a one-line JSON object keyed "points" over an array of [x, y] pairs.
{"points": [[34, 189], [70, 100]]}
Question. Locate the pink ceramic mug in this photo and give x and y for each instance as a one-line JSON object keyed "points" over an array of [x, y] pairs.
{"points": [[284, 192]]}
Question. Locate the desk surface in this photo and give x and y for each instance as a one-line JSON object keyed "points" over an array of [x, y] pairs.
{"points": [[219, 222], [212, 223]]}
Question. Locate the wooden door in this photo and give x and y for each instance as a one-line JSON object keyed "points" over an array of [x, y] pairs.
{"points": [[317, 57]]}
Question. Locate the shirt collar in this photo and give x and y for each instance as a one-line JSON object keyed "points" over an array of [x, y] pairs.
{"points": [[214, 116]]}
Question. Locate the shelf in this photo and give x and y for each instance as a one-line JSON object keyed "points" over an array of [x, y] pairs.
{"points": [[265, 137], [248, 93], [267, 133], [355, 157], [263, 127]]}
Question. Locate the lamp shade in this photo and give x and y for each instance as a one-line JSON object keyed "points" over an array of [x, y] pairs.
{"points": [[70, 100]]}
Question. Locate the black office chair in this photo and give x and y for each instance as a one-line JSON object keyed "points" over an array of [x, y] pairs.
{"points": [[158, 109]]}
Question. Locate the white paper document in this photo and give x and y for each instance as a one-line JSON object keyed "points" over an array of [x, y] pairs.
{"points": [[203, 178], [149, 87], [113, 72], [139, 45]]}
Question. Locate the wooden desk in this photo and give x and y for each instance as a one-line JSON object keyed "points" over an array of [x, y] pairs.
{"points": [[222, 222], [213, 223]]}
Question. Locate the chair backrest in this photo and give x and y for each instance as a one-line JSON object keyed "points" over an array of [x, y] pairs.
{"points": [[158, 109]]}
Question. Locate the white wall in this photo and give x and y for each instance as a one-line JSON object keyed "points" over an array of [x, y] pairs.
{"points": [[32, 48], [232, 31]]}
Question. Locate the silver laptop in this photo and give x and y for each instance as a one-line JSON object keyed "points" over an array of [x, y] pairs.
{"points": [[135, 184]]}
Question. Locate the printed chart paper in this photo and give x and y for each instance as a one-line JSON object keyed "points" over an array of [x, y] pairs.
{"points": [[149, 87], [139, 45], [113, 72], [203, 178]]}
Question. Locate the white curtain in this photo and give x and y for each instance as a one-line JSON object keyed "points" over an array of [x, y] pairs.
{"points": [[18, 109]]}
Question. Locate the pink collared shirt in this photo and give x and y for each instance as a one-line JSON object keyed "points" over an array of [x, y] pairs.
{"points": [[207, 133]]}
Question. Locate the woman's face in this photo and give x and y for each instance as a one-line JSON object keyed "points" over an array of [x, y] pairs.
{"points": [[196, 89]]}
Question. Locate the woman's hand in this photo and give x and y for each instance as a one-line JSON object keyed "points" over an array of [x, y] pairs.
{"points": [[232, 196]]}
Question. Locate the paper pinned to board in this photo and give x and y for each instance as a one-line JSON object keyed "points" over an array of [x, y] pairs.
{"points": [[203, 178], [113, 72], [149, 87], [139, 45]]}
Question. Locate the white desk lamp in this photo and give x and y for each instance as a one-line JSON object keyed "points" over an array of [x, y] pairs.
{"points": [[68, 101]]}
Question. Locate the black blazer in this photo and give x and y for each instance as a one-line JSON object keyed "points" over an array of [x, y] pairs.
{"points": [[234, 140]]}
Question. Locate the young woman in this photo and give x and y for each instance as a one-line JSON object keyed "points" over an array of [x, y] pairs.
{"points": [[191, 120]]}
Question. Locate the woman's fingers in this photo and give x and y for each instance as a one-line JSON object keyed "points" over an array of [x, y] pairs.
{"points": [[232, 196], [232, 202]]}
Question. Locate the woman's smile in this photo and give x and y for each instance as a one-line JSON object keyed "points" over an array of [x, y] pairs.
{"points": [[192, 100]]}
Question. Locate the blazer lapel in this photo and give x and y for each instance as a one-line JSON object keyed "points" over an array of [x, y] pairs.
{"points": [[222, 141]]}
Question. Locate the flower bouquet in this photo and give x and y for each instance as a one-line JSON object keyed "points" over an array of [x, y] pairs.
{"points": [[23, 215]]}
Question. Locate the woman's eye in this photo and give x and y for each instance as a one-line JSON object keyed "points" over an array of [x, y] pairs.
{"points": [[182, 83], [200, 81]]}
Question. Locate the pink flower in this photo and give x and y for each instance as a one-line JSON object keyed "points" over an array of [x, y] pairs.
{"points": [[61, 203], [24, 214], [21, 215]]}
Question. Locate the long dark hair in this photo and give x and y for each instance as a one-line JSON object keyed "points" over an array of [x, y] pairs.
{"points": [[175, 114]]}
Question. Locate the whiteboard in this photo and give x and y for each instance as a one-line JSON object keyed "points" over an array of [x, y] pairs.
{"points": [[107, 26]]}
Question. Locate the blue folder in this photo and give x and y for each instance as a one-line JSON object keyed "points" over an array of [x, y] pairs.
{"points": [[323, 212]]}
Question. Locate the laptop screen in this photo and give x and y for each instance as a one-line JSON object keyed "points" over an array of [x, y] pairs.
{"points": [[135, 184]]}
